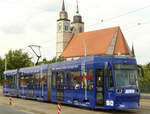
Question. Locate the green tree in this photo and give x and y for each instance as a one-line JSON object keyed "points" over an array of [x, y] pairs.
{"points": [[145, 81], [1, 69], [18, 59], [54, 60], [146, 78]]}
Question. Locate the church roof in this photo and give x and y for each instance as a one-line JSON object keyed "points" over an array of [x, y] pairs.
{"points": [[108, 41]]}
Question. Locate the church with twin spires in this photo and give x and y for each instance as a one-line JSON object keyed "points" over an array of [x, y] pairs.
{"points": [[66, 29], [72, 42]]}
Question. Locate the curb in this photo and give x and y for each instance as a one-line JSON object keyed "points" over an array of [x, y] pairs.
{"points": [[145, 97]]}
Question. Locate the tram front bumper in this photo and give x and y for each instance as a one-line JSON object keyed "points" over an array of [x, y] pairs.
{"points": [[127, 101], [127, 105]]}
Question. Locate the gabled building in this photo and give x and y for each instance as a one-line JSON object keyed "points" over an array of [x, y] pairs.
{"points": [[73, 42], [105, 42]]}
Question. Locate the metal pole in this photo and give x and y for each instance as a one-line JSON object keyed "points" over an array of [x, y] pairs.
{"points": [[84, 72], [5, 63], [38, 56], [5, 70], [84, 44], [41, 82]]}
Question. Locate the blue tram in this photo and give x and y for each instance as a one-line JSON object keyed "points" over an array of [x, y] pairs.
{"points": [[94, 82], [10, 87]]}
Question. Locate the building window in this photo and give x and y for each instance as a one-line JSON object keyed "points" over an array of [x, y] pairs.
{"points": [[59, 27], [80, 29], [66, 27]]}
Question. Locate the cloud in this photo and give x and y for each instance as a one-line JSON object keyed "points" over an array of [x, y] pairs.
{"points": [[12, 28], [49, 6], [25, 22]]}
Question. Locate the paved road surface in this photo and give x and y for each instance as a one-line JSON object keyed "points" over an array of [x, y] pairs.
{"points": [[36, 107], [8, 110]]}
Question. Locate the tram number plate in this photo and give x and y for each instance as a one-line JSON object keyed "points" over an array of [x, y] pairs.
{"points": [[130, 91]]}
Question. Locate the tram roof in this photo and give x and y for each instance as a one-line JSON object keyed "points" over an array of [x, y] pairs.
{"points": [[91, 60], [34, 69], [10, 72]]}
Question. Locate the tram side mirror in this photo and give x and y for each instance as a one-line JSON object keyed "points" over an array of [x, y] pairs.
{"points": [[142, 70], [106, 69]]}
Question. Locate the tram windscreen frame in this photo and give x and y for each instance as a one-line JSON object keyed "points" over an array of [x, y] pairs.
{"points": [[126, 75]]}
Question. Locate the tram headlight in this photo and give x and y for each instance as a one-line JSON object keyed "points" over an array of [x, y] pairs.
{"points": [[109, 102], [118, 90]]}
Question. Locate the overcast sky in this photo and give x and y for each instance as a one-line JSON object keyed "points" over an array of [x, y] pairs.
{"points": [[33, 22]]}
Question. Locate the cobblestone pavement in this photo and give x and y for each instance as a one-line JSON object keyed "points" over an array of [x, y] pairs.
{"points": [[37, 107]]}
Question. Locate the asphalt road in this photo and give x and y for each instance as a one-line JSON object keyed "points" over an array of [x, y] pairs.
{"points": [[8, 110], [22, 106], [36, 107]]}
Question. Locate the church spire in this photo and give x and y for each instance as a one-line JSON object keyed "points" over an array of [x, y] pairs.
{"points": [[63, 14], [77, 24], [77, 17], [77, 8], [133, 53], [63, 6]]}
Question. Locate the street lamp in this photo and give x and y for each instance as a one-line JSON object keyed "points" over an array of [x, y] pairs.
{"points": [[83, 64]]}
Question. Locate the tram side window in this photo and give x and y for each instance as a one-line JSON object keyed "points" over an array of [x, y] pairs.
{"points": [[37, 82], [68, 83], [90, 77], [110, 84], [53, 79], [23, 82], [75, 79], [27, 80], [11, 81], [87, 79], [30, 79], [60, 79], [6, 81], [44, 80]]}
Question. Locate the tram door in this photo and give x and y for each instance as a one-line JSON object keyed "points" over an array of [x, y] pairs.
{"points": [[13, 85], [30, 85], [99, 87], [60, 86]]}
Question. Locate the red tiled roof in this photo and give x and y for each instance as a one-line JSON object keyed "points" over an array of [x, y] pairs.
{"points": [[97, 43], [121, 46]]}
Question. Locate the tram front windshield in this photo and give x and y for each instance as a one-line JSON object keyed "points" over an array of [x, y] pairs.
{"points": [[126, 75]]}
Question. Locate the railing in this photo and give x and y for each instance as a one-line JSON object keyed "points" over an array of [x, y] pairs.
{"points": [[145, 88]]}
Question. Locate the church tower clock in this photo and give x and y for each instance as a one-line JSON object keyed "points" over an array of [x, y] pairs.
{"points": [[64, 33]]}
